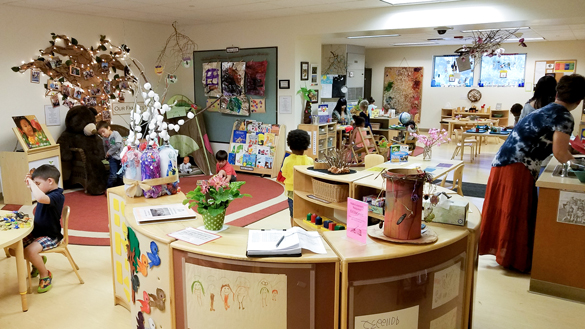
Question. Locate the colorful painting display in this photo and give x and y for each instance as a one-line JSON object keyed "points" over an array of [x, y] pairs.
{"points": [[255, 77], [212, 79], [258, 105], [232, 78], [31, 131], [235, 105], [406, 93]]}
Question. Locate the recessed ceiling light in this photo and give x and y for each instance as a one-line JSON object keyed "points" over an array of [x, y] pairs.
{"points": [[374, 36], [415, 43], [413, 2], [504, 28]]}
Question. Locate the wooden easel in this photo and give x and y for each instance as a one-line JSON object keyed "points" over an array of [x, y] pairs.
{"points": [[15, 166]]}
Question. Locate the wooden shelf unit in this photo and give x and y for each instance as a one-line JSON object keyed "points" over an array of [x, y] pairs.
{"points": [[276, 161], [503, 121], [323, 138], [384, 129], [487, 114]]}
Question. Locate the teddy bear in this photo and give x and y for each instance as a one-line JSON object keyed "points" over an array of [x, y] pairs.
{"points": [[80, 132]]}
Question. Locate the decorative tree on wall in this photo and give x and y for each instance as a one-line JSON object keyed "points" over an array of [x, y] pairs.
{"points": [[81, 75]]}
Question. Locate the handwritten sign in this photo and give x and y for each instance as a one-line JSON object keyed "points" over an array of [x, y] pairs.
{"points": [[402, 319], [357, 220]]}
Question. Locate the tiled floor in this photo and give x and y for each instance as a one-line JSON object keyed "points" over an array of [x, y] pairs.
{"points": [[502, 299]]}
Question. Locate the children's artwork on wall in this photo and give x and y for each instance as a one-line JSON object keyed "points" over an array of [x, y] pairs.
{"points": [[212, 107], [212, 79], [245, 300], [406, 93], [258, 105], [255, 77], [232, 78], [31, 131], [571, 209], [235, 105]]}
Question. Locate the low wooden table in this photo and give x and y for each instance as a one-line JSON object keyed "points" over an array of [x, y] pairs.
{"points": [[465, 123], [481, 136]]}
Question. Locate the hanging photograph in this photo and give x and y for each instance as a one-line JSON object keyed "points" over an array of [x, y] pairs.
{"points": [[212, 79], [232, 78], [304, 71], [255, 77], [314, 96], [31, 131], [406, 92], [235, 105], [35, 76]]}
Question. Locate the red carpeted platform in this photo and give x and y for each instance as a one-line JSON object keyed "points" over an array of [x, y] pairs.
{"points": [[90, 213]]}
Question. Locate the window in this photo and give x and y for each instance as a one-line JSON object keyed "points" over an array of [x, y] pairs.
{"points": [[505, 71], [446, 72]]}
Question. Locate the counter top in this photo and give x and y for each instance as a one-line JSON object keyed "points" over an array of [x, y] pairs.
{"points": [[547, 180]]}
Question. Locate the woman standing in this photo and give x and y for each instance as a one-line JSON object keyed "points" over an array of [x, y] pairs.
{"points": [[341, 113], [509, 209], [544, 94]]}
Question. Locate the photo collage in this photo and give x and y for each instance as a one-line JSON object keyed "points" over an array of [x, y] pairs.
{"points": [[253, 144]]}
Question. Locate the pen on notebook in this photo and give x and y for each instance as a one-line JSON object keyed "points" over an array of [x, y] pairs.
{"points": [[279, 241]]}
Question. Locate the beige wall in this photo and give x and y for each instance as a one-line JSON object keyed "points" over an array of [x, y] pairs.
{"points": [[433, 99]]}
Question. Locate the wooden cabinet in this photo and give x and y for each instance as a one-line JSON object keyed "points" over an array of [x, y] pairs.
{"points": [[383, 127], [323, 139], [502, 116]]}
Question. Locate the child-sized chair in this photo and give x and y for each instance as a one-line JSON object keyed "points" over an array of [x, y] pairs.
{"points": [[61, 248], [364, 143], [457, 182], [461, 143]]}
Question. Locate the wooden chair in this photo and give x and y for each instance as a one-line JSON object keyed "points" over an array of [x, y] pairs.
{"points": [[372, 160], [457, 182], [471, 143], [366, 137], [61, 248]]}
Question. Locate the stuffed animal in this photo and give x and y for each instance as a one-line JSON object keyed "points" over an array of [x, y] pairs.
{"points": [[80, 132]]}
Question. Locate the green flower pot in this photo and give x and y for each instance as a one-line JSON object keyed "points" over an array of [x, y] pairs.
{"points": [[213, 223]]}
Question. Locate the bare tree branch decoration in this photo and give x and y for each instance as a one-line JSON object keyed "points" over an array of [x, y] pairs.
{"points": [[177, 49], [338, 160], [488, 43]]}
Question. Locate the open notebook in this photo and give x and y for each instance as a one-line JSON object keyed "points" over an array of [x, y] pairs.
{"points": [[163, 213], [263, 243]]}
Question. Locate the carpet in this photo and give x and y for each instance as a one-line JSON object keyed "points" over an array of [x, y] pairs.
{"points": [[417, 151], [11, 207], [469, 189]]}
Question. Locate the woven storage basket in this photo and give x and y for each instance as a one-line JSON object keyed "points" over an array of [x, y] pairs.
{"points": [[330, 191]]}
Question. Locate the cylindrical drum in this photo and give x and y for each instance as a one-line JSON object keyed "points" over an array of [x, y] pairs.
{"points": [[404, 195]]}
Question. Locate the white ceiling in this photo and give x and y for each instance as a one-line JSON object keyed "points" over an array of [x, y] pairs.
{"points": [[195, 12]]}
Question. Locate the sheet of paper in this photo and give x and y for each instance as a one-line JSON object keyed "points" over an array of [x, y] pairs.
{"points": [[52, 115], [539, 70], [309, 240], [446, 284], [357, 220], [402, 319], [284, 104], [168, 211], [194, 236], [444, 165]]}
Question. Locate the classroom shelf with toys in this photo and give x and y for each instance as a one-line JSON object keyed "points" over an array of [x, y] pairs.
{"points": [[323, 138], [257, 147]]}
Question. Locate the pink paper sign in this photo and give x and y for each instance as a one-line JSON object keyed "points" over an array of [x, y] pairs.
{"points": [[357, 220]]}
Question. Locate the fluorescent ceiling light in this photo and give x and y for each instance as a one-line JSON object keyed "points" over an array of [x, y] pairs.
{"points": [[374, 36], [415, 43], [503, 29], [412, 2], [525, 39]]}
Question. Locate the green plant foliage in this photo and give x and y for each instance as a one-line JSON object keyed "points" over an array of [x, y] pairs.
{"points": [[103, 48], [68, 62], [215, 200], [15, 68], [74, 41], [98, 59], [305, 92], [62, 79]]}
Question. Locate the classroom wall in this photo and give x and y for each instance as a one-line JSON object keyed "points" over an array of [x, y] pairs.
{"points": [[435, 98]]}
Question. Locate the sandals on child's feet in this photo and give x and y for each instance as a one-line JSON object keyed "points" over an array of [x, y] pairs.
{"points": [[35, 271], [45, 284]]}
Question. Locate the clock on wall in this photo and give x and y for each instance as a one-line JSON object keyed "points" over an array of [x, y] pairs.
{"points": [[474, 95]]}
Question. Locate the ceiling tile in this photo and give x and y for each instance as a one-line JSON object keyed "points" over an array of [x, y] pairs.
{"points": [[577, 27], [550, 27]]}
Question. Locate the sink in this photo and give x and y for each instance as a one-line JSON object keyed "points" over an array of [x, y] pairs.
{"points": [[557, 172]]}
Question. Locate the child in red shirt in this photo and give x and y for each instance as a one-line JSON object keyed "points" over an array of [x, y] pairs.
{"points": [[223, 168]]}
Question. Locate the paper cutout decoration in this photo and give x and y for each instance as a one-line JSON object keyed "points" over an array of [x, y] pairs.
{"points": [[153, 255], [255, 77], [212, 79], [145, 303], [143, 265], [187, 61], [258, 105], [158, 300], [232, 78], [214, 107], [158, 70], [235, 105], [140, 320], [171, 78]]}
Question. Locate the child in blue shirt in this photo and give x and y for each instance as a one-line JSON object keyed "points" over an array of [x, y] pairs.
{"points": [[113, 145]]}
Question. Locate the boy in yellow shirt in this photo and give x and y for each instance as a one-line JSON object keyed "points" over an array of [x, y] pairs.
{"points": [[298, 141]]}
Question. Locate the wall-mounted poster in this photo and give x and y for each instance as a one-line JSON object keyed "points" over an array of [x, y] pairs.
{"points": [[235, 299], [571, 208], [255, 77], [406, 93], [212, 79], [31, 131], [235, 105], [232, 78]]}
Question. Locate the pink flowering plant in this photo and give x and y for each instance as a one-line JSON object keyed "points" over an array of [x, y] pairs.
{"points": [[214, 196], [435, 137]]}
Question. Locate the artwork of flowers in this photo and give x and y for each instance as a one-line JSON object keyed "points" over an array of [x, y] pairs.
{"points": [[406, 93]]}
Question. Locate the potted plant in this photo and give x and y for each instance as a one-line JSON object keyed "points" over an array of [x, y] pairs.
{"points": [[212, 199], [306, 92]]}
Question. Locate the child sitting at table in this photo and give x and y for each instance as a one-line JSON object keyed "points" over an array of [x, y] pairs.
{"points": [[516, 110], [298, 141], [46, 234]]}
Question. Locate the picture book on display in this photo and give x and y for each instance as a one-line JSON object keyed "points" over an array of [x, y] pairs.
{"points": [[278, 243], [253, 144], [239, 136]]}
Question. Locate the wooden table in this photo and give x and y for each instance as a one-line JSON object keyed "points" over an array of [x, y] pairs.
{"points": [[13, 239], [481, 136], [466, 123]]}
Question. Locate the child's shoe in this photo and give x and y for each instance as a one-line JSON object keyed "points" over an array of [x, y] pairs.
{"points": [[35, 272], [45, 284]]}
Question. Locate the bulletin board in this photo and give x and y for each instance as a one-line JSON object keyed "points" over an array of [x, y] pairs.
{"points": [[555, 68], [219, 124]]}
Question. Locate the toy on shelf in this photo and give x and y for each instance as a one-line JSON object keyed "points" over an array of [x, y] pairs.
{"points": [[323, 224]]}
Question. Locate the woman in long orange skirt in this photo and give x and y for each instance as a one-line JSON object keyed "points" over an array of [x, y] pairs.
{"points": [[509, 209]]}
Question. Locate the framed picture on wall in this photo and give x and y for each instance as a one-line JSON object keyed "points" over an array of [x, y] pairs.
{"points": [[304, 71], [314, 96], [284, 84], [314, 75]]}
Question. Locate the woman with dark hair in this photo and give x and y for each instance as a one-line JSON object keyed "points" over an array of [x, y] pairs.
{"points": [[341, 113], [509, 209], [544, 94]]}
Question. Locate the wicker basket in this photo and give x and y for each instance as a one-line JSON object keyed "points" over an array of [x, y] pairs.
{"points": [[330, 191]]}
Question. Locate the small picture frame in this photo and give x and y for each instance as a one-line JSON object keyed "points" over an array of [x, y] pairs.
{"points": [[88, 74], [35, 76], [314, 74], [284, 84], [55, 100], [503, 74], [304, 71], [314, 96], [95, 91], [92, 101], [107, 87], [106, 115], [74, 70], [53, 85], [66, 90], [68, 103], [78, 93], [105, 66]]}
